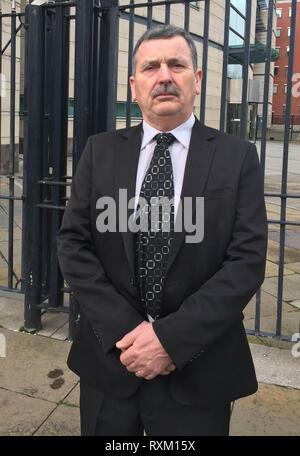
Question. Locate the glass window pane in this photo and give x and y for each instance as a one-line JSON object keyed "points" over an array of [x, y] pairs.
{"points": [[235, 71], [240, 5], [234, 39], [237, 22]]}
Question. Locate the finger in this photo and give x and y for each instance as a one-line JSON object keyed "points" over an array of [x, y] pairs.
{"points": [[125, 343], [165, 372], [127, 357], [134, 367]]}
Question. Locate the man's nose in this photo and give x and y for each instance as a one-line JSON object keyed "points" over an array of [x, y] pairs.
{"points": [[164, 74]]}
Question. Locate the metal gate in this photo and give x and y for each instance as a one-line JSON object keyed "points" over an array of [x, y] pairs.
{"points": [[81, 76]]}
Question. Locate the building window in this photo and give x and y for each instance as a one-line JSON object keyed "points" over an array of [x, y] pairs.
{"points": [[289, 31], [275, 88], [194, 4], [290, 12], [276, 70], [283, 109], [286, 70], [278, 12], [278, 32], [277, 49], [287, 50], [71, 107], [285, 88], [135, 110]]}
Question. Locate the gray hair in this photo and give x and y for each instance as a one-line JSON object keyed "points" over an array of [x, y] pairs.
{"points": [[165, 31]]}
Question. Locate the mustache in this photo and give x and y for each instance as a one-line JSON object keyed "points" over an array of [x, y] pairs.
{"points": [[166, 89]]}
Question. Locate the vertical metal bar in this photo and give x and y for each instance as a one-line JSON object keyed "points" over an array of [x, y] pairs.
{"points": [[130, 52], [33, 143], [244, 108], [266, 90], [1, 89], [60, 53], [149, 14], [109, 67], [204, 61], [167, 13], [12, 147], [264, 131], [46, 153], [96, 107], [225, 67], [285, 168], [83, 76], [187, 16]]}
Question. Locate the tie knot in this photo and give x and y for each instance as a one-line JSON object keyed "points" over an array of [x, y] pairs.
{"points": [[165, 139]]}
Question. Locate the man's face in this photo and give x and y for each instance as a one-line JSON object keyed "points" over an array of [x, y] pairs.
{"points": [[165, 84]]}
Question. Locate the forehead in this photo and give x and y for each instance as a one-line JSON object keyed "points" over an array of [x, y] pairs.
{"points": [[161, 48]]}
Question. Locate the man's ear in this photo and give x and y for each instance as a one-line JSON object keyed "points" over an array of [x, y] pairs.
{"points": [[132, 86], [198, 78]]}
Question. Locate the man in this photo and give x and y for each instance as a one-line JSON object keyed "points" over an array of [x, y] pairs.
{"points": [[161, 346]]}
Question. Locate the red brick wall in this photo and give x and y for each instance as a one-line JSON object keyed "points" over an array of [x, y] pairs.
{"points": [[279, 99]]}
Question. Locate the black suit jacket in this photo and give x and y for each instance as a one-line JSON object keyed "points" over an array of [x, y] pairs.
{"points": [[208, 284]]}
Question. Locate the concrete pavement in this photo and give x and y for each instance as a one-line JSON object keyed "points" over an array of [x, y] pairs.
{"points": [[39, 395]]}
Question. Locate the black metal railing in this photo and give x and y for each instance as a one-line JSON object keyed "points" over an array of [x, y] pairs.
{"points": [[48, 168]]}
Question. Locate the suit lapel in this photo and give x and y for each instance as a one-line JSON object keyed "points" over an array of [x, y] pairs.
{"points": [[127, 157], [198, 165], [197, 169]]}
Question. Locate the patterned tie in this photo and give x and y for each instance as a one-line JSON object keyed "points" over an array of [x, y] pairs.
{"points": [[153, 244]]}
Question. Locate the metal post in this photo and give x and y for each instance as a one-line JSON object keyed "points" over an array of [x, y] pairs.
{"points": [[204, 61], [109, 67], [244, 112], [225, 66], [12, 147], [130, 53], [33, 143], [83, 76], [60, 54], [285, 169]]}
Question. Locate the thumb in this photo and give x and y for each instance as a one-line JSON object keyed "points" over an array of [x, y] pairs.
{"points": [[125, 342]]}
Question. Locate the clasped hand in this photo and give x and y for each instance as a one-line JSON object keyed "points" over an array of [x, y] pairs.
{"points": [[143, 353]]}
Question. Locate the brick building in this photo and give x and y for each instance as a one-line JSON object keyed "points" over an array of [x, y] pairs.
{"points": [[283, 12]]}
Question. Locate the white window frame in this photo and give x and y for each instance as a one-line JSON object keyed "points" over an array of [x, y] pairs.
{"points": [[279, 10], [275, 89]]}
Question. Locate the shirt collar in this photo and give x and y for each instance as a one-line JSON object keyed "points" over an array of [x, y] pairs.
{"points": [[182, 133]]}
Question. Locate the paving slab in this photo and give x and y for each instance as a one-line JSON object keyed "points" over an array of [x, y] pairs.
{"points": [[36, 366], [291, 255], [291, 287], [55, 325], [20, 414], [292, 238], [272, 269], [295, 304], [268, 306], [12, 312], [276, 366], [271, 411], [294, 267], [63, 421]]}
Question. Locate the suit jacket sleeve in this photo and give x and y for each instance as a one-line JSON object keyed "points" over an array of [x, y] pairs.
{"points": [[208, 313], [105, 308]]}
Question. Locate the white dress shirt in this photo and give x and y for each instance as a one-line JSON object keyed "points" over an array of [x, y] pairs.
{"points": [[178, 151]]}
